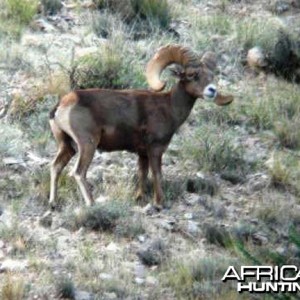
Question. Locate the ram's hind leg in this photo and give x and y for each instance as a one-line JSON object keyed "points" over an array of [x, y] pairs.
{"points": [[86, 149], [63, 156]]}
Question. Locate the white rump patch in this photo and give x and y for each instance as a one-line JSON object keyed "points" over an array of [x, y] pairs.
{"points": [[210, 92]]}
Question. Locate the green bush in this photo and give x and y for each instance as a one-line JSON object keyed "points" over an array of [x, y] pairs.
{"points": [[15, 15], [102, 217], [215, 151], [256, 32], [197, 279], [21, 11], [65, 288], [100, 70], [152, 12], [51, 6]]}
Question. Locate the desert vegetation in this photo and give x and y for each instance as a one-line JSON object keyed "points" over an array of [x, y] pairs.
{"points": [[231, 174]]}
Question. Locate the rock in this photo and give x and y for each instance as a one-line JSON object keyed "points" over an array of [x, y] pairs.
{"points": [[6, 218], [193, 227], [202, 186], [191, 199], [13, 265], [258, 182], [141, 238], [112, 247], [151, 281], [188, 216], [256, 58], [46, 219], [105, 276], [43, 25], [110, 296], [259, 239], [166, 224], [102, 199], [232, 177], [153, 254], [2, 244], [280, 7], [83, 295], [13, 161], [139, 270], [139, 281]]}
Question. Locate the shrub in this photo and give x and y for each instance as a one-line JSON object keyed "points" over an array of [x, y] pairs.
{"points": [[257, 32], [21, 11], [102, 217], [275, 105], [103, 70], [12, 289], [215, 151], [15, 14], [197, 279], [129, 228], [287, 132], [143, 15], [65, 288], [51, 6]]}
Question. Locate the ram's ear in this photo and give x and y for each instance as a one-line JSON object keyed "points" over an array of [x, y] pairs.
{"points": [[209, 59], [178, 72]]}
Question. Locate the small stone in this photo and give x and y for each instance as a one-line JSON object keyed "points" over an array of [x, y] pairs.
{"points": [[2, 244], [105, 276], [112, 247], [110, 296], [139, 270], [192, 199], [83, 295], [192, 227], [139, 281], [188, 216], [101, 199], [165, 224], [13, 265], [141, 238], [260, 239], [151, 281], [281, 250]]}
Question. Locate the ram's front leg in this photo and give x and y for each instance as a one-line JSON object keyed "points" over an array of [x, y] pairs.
{"points": [[155, 159], [143, 164]]}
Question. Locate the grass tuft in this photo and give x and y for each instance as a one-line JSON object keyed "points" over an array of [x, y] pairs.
{"points": [[65, 288], [101, 217], [13, 288], [197, 279]]}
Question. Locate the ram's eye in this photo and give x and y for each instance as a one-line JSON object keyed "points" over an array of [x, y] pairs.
{"points": [[197, 76]]}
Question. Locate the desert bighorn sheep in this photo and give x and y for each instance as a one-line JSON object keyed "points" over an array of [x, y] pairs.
{"points": [[139, 121]]}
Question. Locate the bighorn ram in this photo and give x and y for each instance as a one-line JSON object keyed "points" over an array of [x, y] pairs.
{"points": [[139, 121]]}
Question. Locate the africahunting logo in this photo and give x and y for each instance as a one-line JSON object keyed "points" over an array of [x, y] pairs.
{"points": [[265, 279]]}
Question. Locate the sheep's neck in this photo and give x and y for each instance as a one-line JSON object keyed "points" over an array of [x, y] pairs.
{"points": [[182, 103]]}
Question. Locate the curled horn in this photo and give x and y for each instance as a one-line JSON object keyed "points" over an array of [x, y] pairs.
{"points": [[165, 56]]}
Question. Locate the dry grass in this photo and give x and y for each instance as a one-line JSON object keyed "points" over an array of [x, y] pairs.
{"points": [[13, 288]]}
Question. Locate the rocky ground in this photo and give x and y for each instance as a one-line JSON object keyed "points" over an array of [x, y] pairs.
{"points": [[119, 250]]}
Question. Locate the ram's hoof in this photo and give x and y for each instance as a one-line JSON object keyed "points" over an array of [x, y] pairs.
{"points": [[150, 209]]}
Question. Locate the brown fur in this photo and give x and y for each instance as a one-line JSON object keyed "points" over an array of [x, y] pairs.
{"points": [[139, 121]]}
